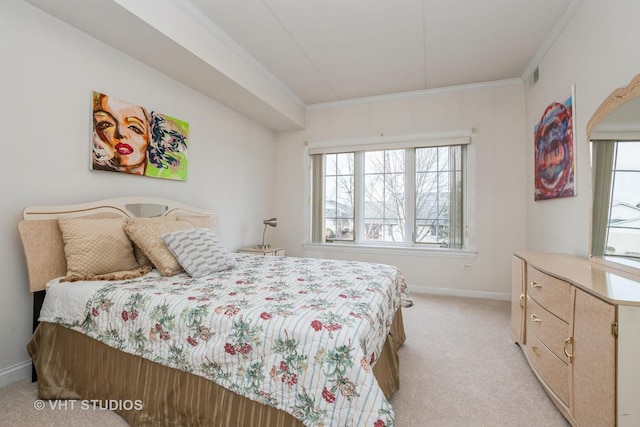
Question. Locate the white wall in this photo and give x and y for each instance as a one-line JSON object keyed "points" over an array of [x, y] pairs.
{"points": [[48, 70], [47, 73], [497, 179], [598, 52]]}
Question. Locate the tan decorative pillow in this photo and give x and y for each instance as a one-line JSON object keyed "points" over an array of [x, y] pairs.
{"points": [[141, 258], [96, 247], [147, 233]]}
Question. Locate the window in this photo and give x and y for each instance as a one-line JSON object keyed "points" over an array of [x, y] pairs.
{"points": [[384, 196], [617, 191], [439, 195], [338, 202], [411, 196]]}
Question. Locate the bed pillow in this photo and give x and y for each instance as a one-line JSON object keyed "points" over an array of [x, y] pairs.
{"points": [[147, 233], [199, 251], [95, 247], [141, 258]]}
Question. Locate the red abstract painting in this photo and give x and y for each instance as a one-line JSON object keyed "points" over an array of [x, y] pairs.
{"points": [[555, 151]]}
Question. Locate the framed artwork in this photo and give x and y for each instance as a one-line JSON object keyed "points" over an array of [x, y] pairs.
{"points": [[554, 140], [128, 138]]}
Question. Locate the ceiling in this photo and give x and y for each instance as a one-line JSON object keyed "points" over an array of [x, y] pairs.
{"points": [[333, 50], [271, 59]]}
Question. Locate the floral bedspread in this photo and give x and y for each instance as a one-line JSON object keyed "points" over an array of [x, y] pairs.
{"points": [[299, 334]]}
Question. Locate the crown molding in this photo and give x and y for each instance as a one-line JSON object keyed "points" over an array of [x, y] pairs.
{"points": [[417, 94]]}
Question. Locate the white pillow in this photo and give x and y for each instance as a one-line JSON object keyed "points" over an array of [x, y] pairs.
{"points": [[199, 251]]}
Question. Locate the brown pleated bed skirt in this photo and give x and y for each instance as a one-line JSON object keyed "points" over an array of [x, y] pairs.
{"points": [[71, 365]]}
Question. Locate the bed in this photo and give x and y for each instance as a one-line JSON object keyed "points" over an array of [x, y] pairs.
{"points": [[183, 335]]}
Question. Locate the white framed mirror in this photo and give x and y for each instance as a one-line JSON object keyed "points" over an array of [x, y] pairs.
{"points": [[614, 134], [147, 210]]}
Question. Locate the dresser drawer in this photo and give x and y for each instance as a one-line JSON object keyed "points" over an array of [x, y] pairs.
{"points": [[551, 293], [550, 330], [553, 371]]}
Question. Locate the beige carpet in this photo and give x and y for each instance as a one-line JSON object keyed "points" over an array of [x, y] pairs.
{"points": [[458, 368]]}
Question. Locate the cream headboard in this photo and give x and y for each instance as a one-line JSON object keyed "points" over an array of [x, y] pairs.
{"points": [[42, 240]]}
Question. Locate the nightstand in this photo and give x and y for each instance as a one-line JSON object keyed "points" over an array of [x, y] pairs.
{"points": [[270, 251]]}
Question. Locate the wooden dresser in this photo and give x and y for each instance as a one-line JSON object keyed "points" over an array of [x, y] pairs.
{"points": [[578, 323]]}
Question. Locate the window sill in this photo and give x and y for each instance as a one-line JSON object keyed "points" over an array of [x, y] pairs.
{"points": [[390, 250]]}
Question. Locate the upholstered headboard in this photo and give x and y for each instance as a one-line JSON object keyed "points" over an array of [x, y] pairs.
{"points": [[42, 239]]}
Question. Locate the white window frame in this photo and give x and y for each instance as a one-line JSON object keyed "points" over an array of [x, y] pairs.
{"points": [[392, 143]]}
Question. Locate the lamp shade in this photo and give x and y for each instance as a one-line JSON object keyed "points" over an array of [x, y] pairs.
{"points": [[271, 221]]}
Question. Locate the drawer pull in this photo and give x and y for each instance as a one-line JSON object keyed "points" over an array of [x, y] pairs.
{"points": [[536, 351], [535, 318], [535, 284], [567, 342]]}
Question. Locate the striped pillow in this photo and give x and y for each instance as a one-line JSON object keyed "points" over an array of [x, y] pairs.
{"points": [[199, 251]]}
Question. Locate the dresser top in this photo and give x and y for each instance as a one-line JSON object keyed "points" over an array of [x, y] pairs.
{"points": [[613, 285]]}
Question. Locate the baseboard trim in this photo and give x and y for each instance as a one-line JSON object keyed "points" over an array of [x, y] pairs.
{"points": [[15, 373], [459, 293]]}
